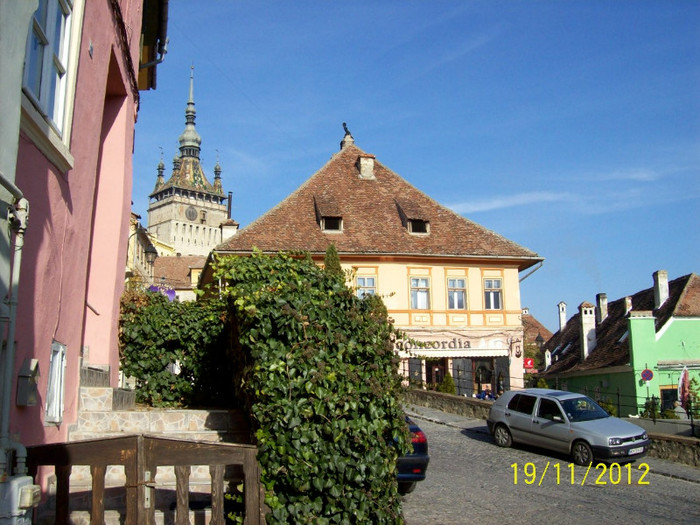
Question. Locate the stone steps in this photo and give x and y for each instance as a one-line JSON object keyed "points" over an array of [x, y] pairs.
{"points": [[107, 412]]}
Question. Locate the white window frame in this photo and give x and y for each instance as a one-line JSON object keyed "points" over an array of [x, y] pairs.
{"points": [[418, 226], [51, 133], [493, 292], [420, 293], [454, 291], [325, 221], [364, 286], [55, 389]]}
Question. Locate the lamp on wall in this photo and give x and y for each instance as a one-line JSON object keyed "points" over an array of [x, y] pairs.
{"points": [[151, 254]]}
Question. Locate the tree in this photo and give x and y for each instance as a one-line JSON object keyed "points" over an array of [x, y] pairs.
{"points": [[448, 385], [331, 261]]}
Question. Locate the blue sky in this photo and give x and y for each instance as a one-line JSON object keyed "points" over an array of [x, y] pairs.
{"points": [[569, 127]]}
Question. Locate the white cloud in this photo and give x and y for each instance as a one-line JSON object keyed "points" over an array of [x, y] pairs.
{"points": [[636, 175], [510, 201]]}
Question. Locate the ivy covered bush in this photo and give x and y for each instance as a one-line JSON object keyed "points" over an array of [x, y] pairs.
{"points": [[173, 350], [316, 370]]}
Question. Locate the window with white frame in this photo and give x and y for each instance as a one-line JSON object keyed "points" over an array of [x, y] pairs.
{"points": [[420, 293], [55, 389], [418, 226], [365, 285], [493, 294], [46, 63], [456, 294], [332, 224]]}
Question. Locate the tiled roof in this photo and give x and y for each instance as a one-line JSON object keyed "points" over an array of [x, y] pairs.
{"points": [[612, 342], [374, 213], [189, 175], [532, 328], [176, 270]]}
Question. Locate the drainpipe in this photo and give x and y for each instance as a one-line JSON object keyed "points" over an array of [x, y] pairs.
{"points": [[19, 213]]}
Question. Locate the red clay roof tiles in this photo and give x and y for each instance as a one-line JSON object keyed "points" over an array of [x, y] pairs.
{"points": [[372, 221]]}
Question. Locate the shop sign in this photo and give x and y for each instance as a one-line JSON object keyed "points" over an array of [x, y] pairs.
{"points": [[433, 346], [528, 362]]}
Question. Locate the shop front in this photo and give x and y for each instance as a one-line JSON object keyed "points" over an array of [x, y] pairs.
{"points": [[477, 361]]}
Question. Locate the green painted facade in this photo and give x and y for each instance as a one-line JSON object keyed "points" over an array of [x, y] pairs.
{"points": [[665, 353]]}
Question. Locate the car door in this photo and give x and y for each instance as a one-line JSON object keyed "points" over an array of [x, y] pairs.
{"points": [[550, 429], [518, 415]]}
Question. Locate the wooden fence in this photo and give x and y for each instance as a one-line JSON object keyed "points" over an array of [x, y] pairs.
{"points": [[141, 455]]}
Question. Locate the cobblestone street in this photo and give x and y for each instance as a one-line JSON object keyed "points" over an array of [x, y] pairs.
{"points": [[471, 480]]}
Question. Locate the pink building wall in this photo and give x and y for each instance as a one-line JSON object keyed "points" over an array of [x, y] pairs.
{"points": [[72, 269]]}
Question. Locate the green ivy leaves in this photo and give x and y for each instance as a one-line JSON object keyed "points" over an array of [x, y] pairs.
{"points": [[321, 388]]}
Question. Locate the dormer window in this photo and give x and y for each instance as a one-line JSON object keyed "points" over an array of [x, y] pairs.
{"points": [[417, 226], [332, 224], [413, 217], [328, 214]]}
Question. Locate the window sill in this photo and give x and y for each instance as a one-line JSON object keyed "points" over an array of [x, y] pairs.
{"points": [[45, 137]]}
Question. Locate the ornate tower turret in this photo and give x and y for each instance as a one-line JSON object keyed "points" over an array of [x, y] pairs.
{"points": [[187, 210]]}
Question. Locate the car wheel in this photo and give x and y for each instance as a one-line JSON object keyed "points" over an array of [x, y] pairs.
{"points": [[502, 436], [582, 453], [406, 487]]}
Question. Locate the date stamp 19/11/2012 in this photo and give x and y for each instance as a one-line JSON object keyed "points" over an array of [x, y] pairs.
{"points": [[600, 474]]}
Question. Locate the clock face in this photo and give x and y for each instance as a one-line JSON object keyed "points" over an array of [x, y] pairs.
{"points": [[191, 213]]}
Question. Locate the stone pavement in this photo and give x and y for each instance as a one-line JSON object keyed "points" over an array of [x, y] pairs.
{"points": [[658, 466]]}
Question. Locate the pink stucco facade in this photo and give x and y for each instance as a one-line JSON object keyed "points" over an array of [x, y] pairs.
{"points": [[72, 270]]}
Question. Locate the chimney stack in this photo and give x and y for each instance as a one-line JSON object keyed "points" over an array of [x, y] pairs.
{"points": [[660, 288], [588, 337], [365, 165], [628, 304], [601, 308], [562, 315]]}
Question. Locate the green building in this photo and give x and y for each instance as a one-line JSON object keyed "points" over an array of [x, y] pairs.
{"points": [[628, 351]]}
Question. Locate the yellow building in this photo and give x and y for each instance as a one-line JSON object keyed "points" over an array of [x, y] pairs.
{"points": [[447, 282]]}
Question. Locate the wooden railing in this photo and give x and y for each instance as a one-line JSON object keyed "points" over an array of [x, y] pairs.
{"points": [[141, 455]]}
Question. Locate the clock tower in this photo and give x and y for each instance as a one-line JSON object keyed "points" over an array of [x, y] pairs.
{"points": [[187, 210]]}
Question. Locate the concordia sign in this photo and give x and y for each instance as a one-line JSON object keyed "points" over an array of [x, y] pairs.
{"points": [[436, 344]]}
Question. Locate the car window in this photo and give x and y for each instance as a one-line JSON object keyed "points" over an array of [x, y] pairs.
{"points": [[522, 403], [548, 409], [583, 409]]}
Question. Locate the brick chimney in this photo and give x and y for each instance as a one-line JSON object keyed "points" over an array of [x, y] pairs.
{"points": [[562, 315], [588, 337], [601, 311], [660, 288]]}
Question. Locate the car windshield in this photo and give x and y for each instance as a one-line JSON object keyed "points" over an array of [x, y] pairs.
{"points": [[583, 409]]}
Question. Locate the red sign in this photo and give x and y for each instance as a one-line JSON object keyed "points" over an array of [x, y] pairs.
{"points": [[647, 374], [528, 362]]}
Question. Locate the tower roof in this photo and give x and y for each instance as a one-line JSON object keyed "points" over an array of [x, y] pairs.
{"points": [[187, 170]]}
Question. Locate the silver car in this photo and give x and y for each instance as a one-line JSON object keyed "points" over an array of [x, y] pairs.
{"points": [[564, 422]]}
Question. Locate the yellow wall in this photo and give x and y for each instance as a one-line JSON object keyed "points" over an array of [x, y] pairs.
{"points": [[494, 328], [393, 284]]}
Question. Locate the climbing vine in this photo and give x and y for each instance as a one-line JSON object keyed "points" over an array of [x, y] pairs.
{"points": [[316, 370], [171, 350]]}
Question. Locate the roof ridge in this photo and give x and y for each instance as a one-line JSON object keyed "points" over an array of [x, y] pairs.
{"points": [[303, 185]]}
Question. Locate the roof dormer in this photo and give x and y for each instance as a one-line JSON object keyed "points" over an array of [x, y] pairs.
{"points": [[413, 217], [328, 215]]}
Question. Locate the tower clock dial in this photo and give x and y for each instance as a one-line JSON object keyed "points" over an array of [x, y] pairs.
{"points": [[191, 213]]}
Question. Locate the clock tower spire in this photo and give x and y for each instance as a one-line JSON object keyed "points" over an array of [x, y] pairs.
{"points": [[186, 211]]}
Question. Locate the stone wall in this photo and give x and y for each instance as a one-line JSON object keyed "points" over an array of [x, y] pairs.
{"points": [[681, 449], [463, 406]]}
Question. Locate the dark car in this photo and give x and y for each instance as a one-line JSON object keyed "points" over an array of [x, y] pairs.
{"points": [[412, 466], [565, 422]]}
